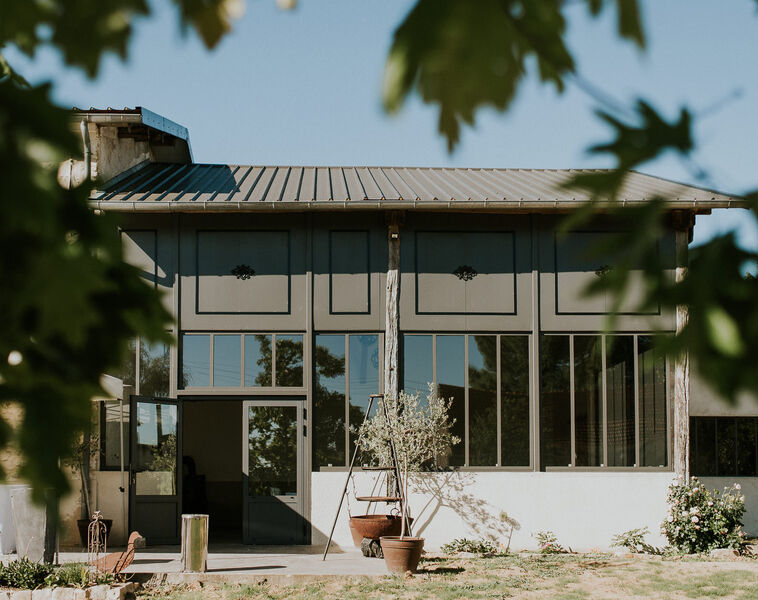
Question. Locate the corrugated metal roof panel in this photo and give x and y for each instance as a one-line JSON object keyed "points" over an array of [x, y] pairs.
{"points": [[236, 187]]}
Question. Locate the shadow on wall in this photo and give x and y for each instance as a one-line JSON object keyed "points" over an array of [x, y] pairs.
{"points": [[449, 490]]}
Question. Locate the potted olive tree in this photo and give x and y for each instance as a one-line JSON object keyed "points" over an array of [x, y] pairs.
{"points": [[421, 433], [83, 450]]}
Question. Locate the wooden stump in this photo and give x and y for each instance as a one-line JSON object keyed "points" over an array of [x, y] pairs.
{"points": [[194, 543]]}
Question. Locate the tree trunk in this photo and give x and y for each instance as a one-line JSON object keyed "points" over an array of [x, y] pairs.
{"points": [[681, 399], [392, 314]]}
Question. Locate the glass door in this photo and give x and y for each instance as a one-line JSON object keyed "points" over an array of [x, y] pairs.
{"points": [[272, 472], [155, 488]]}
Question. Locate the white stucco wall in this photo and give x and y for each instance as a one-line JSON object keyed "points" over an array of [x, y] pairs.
{"points": [[584, 510]]}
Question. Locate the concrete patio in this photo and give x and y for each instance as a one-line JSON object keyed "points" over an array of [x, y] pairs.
{"points": [[246, 564]]}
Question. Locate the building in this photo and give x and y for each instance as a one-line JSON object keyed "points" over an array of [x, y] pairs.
{"points": [[299, 291]]}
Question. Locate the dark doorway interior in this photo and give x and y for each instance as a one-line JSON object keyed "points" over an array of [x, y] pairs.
{"points": [[212, 466]]}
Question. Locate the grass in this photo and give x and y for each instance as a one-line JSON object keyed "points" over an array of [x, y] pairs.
{"points": [[533, 576]]}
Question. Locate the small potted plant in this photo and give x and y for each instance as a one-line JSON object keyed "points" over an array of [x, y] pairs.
{"points": [[421, 433], [83, 450]]}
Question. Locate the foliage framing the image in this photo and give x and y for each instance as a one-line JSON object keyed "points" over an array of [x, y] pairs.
{"points": [[700, 520]]}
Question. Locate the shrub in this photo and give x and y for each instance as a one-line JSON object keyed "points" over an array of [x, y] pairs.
{"points": [[24, 573], [548, 543], [701, 520], [466, 545], [634, 541], [69, 575]]}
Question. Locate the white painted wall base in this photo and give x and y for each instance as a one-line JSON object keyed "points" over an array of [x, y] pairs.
{"points": [[584, 510]]}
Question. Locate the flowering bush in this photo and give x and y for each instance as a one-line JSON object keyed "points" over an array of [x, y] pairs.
{"points": [[701, 520], [548, 543]]}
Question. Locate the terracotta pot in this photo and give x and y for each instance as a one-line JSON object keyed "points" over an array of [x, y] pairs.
{"points": [[83, 524], [374, 527], [401, 555]]}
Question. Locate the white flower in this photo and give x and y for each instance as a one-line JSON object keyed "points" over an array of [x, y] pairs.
{"points": [[693, 510], [670, 519], [737, 486], [695, 519], [710, 502]]}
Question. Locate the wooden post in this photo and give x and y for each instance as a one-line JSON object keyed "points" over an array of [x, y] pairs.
{"points": [[683, 222], [392, 298]]}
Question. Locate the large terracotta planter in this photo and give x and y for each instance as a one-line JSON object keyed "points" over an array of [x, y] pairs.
{"points": [[401, 555], [374, 527]]}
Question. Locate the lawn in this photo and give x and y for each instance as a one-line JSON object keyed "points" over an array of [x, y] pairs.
{"points": [[567, 577]]}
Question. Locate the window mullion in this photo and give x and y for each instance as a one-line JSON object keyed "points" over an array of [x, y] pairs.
{"points": [[604, 399], [347, 400], [465, 402], [573, 407], [636, 356], [499, 401]]}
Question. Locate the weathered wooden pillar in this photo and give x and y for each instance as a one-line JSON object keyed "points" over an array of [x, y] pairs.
{"points": [[683, 221], [392, 298]]}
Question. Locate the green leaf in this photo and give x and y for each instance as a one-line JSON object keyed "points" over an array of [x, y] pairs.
{"points": [[723, 332], [463, 55], [212, 19]]}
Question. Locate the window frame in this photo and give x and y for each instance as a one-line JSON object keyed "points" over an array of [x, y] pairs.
{"points": [[242, 390], [604, 400], [101, 461], [531, 400]]}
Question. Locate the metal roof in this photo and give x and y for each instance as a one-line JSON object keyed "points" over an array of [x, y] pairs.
{"points": [[208, 187]]}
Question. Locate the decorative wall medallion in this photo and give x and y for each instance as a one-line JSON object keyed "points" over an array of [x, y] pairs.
{"points": [[465, 273], [243, 272], [603, 270]]}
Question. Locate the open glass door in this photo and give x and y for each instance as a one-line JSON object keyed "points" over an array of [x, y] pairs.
{"points": [[272, 472], [155, 487]]}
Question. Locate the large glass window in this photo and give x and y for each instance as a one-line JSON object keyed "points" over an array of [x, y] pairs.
{"points": [[514, 400], [555, 401], [619, 419], [588, 406], [492, 422], [347, 371], [482, 400], [237, 360], [724, 446], [114, 431]]}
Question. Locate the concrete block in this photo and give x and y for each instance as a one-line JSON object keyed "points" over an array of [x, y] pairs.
{"points": [[98, 592], [42, 594], [724, 553], [22, 595], [81, 594], [63, 593]]}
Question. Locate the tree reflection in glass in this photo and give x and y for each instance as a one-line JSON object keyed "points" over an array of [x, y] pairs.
{"points": [[364, 378], [514, 400], [329, 401], [272, 451], [289, 360], [156, 451], [451, 375], [555, 401], [482, 400]]}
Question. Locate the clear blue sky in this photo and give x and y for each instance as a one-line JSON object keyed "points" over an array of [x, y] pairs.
{"points": [[303, 87]]}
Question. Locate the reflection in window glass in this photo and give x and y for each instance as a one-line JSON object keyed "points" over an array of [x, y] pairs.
{"points": [[619, 381], [155, 462], [482, 400], [289, 360], [555, 401], [588, 405], [514, 400], [154, 365], [258, 360], [726, 460], [653, 412], [451, 379], [272, 451], [747, 449], [364, 378], [418, 370], [112, 415], [128, 365], [196, 356], [226, 360], [703, 446], [329, 402]]}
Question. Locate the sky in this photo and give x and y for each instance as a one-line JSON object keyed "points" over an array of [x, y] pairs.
{"points": [[303, 87]]}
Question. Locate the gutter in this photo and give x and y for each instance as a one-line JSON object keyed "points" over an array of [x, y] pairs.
{"points": [[421, 205]]}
